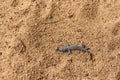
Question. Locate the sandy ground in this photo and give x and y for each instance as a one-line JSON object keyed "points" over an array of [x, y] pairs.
{"points": [[31, 30]]}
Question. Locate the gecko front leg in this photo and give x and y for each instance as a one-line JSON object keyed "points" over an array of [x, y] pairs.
{"points": [[69, 51]]}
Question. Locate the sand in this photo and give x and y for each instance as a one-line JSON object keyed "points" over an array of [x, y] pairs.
{"points": [[31, 30]]}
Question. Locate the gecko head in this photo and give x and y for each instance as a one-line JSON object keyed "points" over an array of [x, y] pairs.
{"points": [[62, 49]]}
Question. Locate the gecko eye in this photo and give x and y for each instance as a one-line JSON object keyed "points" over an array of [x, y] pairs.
{"points": [[88, 48]]}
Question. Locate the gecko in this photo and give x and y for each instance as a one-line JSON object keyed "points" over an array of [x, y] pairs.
{"points": [[82, 48]]}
